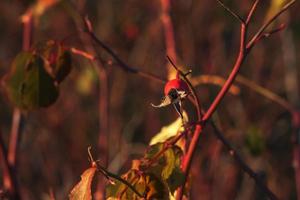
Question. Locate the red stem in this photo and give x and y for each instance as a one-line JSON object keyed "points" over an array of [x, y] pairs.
{"points": [[188, 158], [244, 49], [16, 119], [17, 115], [14, 137], [231, 78], [9, 178], [192, 147]]}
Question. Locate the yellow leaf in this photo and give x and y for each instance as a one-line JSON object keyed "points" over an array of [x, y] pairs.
{"points": [[82, 190], [169, 131], [42, 5], [38, 9], [274, 7]]}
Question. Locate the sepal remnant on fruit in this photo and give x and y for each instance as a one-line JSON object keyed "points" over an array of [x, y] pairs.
{"points": [[175, 91]]}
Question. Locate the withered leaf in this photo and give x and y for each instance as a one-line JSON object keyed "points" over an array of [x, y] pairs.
{"points": [[82, 190]]}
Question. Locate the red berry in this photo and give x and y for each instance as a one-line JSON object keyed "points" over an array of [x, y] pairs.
{"points": [[177, 84]]}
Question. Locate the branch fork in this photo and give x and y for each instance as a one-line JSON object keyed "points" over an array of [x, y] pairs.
{"points": [[245, 47]]}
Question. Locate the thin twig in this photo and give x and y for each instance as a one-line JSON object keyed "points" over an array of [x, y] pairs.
{"points": [[242, 163], [244, 49], [187, 160], [121, 63], [231, 12], [267, 24], [109, 175], [250, 14], [17, 116], [103, 101], [116, 177], [192, 89], [243, 52], [14, 137], [269, 33], [231, 78], [82, 53], [9, 180]]}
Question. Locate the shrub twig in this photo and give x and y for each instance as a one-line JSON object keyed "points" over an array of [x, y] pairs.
{"points": [[245, 48], [108, 175], [241, 162], [243, 52], [120, 62], [9, 179]]}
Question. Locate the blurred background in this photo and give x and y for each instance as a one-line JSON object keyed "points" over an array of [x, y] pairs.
{"points": [[102, 106]]}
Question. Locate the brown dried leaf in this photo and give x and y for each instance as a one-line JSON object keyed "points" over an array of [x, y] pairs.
{"points": [[82, 190]]}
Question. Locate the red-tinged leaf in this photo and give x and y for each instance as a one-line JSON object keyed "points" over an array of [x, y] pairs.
{"points": [[59, 60], [82, 190]]}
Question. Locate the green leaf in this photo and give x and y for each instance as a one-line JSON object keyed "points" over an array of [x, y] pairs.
{"points": [[156, 181], [145, 183], [170, 162], [28, 84], [153, 150], [155, 188], [166, 163], [175, 180], [82, 190], [15, 78], [118, 190], [112, 190]]}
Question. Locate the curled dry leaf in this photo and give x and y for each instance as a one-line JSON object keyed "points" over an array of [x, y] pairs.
{"points": [[82, 190]]}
